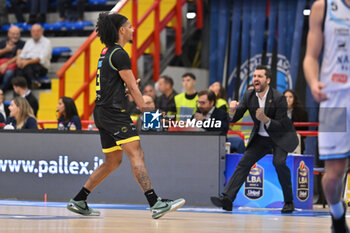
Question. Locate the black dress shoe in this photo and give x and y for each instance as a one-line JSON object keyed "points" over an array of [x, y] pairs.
{"points": [[339, 225], [223, 202], [288, 207]]}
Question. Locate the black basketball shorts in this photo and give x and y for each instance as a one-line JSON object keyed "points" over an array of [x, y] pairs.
{"points": [[115, 128]]}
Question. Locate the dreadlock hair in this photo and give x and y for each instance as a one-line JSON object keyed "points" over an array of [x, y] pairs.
{"points": [[108, 26]]}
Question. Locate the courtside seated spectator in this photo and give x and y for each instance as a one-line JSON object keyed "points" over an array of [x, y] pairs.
{"points": [[4, 110], [150, 91], [66, 12], [218, 89], [20, 88], [21, 115], [68, 115], [9, 50], [296, 112], [34, 60], [166, 102], [149, 107], [208, 112], [186, 102]]}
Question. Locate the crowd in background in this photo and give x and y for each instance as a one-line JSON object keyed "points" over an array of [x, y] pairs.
{"points": [[203, 105], [67, 10], [29, 59]]}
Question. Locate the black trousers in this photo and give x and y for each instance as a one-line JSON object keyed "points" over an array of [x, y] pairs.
{"points": [[16, 6], [259, 147], [62, 5], [32, 72]]}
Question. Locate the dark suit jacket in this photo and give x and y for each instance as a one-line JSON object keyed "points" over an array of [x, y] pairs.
{"points": [[281, 129], [7, 110], [2, 118], [219, 115], [33, 102]]}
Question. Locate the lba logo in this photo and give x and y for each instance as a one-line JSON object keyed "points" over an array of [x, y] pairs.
{"points": [[151, 120]]}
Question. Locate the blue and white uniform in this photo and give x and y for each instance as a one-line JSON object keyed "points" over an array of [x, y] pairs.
{"points": [[334, 116]]}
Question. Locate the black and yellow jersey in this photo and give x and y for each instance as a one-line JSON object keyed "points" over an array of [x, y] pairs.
{"points": [[110, 87]]}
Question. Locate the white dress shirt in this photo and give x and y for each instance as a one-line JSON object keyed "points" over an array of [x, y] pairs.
{"points": [[2, 110], [206, 117], [262, 131], [26, 94], [41, 49]]}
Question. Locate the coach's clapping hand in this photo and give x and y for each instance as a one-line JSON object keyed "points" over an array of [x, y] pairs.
{"points": [[233, 106], [260, 115]]}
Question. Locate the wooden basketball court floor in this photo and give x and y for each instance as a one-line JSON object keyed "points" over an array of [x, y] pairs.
{"points": [[52, 217]]}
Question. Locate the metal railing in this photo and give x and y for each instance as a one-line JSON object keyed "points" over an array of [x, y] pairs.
{"points": [[297, 124], [86, 123], [159, 25]]}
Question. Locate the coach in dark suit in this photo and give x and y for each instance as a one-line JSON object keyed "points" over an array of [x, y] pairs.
{"points": [[207, 111], [272, 132]]}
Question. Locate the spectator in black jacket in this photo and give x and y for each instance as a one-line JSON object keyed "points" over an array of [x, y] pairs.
{"points": [[166, 101], [4, 110], [20, 88], [219, 119], [296, 112]]}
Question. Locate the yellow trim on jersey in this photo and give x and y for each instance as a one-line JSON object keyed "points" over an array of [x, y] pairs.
{"points": [[109, 59], [135, 138], [111, 149]]}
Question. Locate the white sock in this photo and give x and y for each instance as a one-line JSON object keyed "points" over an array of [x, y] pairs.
{"points": [[337, 210]]}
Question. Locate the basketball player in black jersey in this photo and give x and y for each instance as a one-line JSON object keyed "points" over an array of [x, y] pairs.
{"points": [[117, 131]]}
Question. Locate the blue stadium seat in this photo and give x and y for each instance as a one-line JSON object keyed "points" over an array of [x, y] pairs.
{"points": [[74, 26], [20, 25], [45, 82], [58, 51], [97, 2], [23, 26], [26, 27], [78, 25], [87, 23], [5, 27], [43, 79], [54, 26]]}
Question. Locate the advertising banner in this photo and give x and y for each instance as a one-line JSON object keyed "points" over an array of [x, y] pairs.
{"points": [[262, 188]]}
